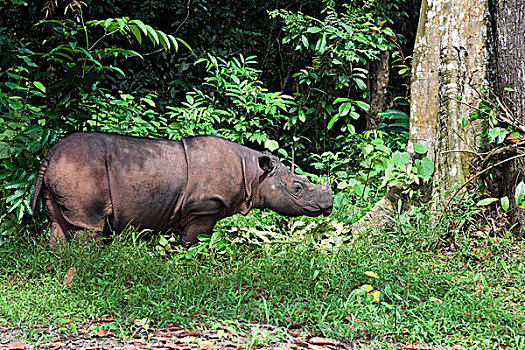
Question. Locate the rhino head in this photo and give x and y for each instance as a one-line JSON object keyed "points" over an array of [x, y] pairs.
{"points": [[289, 194]]}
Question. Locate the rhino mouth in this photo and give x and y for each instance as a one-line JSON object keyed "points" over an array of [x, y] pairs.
{"points": [[313, 209]]}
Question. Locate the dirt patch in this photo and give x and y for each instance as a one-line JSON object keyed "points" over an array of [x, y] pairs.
{"points": [[100, 335]]}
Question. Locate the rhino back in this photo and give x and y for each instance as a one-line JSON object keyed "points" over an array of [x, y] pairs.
{"points": [[120, 178]]}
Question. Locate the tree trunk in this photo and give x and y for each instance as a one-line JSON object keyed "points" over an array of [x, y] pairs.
{"points": [[509, 29], [451, 64], [380, 73]]}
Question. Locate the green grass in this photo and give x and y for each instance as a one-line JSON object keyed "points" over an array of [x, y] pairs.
{"points": [[472, 297]]}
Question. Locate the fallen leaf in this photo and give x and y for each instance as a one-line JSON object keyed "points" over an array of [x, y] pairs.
{"points": [[172, 345], [301, 343], [371, 274], [205, 345], [188, 334], [415, 346], [142, 322], [323, 341], [435, 299], [18, 345], [102, 332], [70, 275], [376, 295], [187, 339]]}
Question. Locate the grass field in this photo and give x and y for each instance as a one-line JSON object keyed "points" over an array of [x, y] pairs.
{"points": [[392, 287]]}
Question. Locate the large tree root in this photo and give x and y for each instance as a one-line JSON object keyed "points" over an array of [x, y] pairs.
{"points": [[381, 214]]}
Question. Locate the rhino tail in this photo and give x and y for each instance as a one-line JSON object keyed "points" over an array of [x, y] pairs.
{"points": [[39, 182]]}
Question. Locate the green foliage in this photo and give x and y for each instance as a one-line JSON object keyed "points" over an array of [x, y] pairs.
{"points": [[496, 126], [519, 199], [383, 163], [38, 107], [232, 102], [342, 44]]}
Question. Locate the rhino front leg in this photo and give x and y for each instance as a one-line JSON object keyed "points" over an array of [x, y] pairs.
{"points": [[202, 224], [91, 236]]}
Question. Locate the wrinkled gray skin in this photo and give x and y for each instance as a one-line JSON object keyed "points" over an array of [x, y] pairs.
{"points": [[91, 179]]}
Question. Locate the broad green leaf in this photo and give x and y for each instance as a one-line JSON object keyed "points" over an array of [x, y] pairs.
{"points": [[345, 108], [425, 168], [152, 34], [505, 203], [486, 201], [107, 23], [136, 31], [341, 99], [165, 42], [342, 185], [400, 158], [332, 121], [360, 83], [182, 42], [141, 25], [116, 69], [321, 44], [304, 40], [419, 149], [4, 150], [163, 241], [174, 42], [313, 30], [302, 116], [520, 193], [148, 101], [363, 105], [497, 134], [17, 184], [40, 86], [271, 145], [121, 23]]}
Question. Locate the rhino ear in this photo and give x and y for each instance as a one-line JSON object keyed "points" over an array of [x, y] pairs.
{"points": [[266, 163]]}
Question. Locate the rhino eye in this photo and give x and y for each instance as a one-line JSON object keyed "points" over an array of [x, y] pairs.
{"points": [[297, 188]]}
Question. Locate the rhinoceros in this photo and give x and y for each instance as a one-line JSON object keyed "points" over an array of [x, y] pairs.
{"points": [[92, 180]]}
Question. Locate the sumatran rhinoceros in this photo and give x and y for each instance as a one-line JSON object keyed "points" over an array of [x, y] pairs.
{"points": [[89, 180]]}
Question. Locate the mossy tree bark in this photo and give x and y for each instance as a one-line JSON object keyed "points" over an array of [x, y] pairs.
{"points": [[509, 30], [452, 57]]}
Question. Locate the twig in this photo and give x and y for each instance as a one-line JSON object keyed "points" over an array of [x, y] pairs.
{"points": [[509, 119], [462, 151], [500, 151], [185, 19]]}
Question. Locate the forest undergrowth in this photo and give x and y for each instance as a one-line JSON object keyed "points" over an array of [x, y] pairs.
{"points": [[421, 282]]}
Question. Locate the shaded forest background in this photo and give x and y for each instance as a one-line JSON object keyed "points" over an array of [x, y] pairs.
{"points": [[323, 85]]}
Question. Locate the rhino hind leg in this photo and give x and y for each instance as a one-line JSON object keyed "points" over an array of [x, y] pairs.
{"points": [[64, 222], [59, 225]]}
